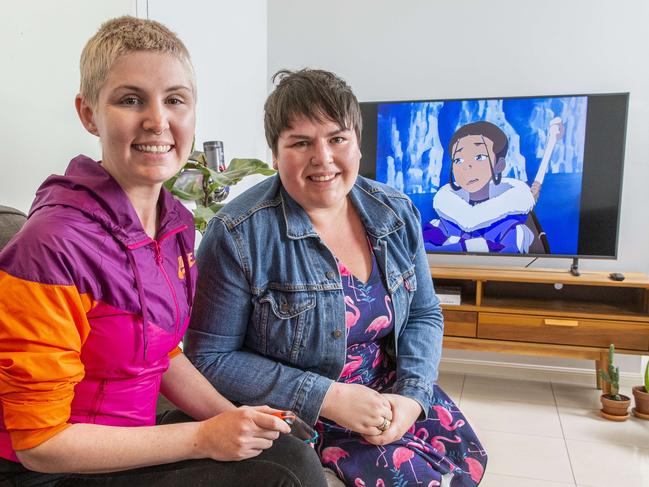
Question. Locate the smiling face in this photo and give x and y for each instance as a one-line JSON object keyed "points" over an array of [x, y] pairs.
{"points": [[144, 117], [318, 162], [472, 163]]}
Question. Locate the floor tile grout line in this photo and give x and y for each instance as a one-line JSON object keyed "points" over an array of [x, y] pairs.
{"points": [[609, 443], [563, 433], [533, 435], [511, 476], [486, 396]]}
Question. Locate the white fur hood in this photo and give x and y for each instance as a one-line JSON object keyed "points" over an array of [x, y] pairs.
{"points": [[510, 197]]}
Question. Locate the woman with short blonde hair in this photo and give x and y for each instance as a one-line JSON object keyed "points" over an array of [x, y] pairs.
{"points": [[97, 290]]}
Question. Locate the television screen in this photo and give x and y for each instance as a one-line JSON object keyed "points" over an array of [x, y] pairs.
{"points": [[509, 176]]}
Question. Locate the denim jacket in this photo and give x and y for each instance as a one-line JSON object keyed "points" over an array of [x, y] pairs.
{"points": [[268, 324]]}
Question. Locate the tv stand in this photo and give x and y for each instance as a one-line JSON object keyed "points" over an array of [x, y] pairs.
{"points": [[546, 312], [574, 267]]}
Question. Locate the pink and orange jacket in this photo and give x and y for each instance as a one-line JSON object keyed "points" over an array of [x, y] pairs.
{"points": [[91, 308]]}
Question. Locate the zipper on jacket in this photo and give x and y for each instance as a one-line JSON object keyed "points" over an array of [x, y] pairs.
{"points": [[160, 261], [97, 400]]}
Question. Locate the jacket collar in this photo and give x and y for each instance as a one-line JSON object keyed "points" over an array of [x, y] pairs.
{"points": [[377, 217], [87, 187]]}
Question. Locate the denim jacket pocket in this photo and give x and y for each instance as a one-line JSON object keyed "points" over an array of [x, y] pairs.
{"points": [[283, 319]]}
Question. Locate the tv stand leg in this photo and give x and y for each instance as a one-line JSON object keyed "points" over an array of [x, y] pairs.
{"points": [[574, 268], [598, 379]]}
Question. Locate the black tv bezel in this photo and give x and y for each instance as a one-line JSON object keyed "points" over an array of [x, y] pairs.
{"points": [[368, 160]]}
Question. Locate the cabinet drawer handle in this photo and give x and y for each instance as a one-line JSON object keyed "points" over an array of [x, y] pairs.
{"points": [[552, 322]]}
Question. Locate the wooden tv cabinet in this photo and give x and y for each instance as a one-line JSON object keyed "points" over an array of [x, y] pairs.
{"points": [[521, 311]]}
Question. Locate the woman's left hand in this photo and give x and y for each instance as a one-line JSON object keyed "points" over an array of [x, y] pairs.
{"points": [[405, 412]]}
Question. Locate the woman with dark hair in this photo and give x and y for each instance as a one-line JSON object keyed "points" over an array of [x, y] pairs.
{"points": [[325, 303]]}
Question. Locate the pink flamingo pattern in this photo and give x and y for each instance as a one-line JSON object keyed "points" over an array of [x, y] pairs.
{"points": [[436, 442], [351, 317], [446, 419], [427, 454], [354, 362], [333, 454], [402, 454], [381, 322]]}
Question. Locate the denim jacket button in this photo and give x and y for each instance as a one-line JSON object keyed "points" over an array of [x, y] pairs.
{"points": [[336, 333], [330, 274], [284, 308]]}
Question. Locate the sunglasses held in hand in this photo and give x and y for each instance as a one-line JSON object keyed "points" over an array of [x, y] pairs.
{"points": [[299, 428]]}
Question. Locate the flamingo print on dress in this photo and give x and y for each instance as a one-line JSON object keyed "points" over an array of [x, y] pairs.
{"points": [[344, 272], [476, 470], [383, 451], [351, 317], [353, 363], [378, 357], [401, 455], [446, 418], [333, 454], [439, 446], [381, 322], [435, 456]]}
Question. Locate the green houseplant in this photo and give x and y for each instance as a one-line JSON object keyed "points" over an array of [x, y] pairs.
{"points": [[202, 182], [614, 405], [641, 397]]}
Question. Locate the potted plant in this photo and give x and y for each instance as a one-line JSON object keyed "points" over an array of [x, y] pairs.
{"points": [[205, 181], [614, 405], [641, 396]]}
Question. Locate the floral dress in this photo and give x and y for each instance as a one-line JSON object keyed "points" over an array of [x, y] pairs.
{"points": [[440, 451]]}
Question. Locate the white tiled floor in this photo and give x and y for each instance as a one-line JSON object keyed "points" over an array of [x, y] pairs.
{"points": [[547, 434]]}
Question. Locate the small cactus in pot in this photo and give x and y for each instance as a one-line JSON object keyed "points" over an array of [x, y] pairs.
{"points": [[614, 405], [641, 397]]}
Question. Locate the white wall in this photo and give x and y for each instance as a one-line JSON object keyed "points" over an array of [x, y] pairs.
{"points": [[418, 49], [41, 43], [228, 44]]}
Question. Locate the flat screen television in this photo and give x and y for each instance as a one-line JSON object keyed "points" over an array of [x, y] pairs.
{"points": [[535, 176]]}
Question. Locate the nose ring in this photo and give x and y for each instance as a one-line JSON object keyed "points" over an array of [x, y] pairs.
{"points": [[158, 133]]}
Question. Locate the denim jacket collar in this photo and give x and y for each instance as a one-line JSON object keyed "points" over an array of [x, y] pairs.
{"points": [[378, 218], [298, 224]]}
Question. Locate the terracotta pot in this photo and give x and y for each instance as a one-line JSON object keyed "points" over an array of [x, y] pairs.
{"points": [[615, 410], [641, 397]]}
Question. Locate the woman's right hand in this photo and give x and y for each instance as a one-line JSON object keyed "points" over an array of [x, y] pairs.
{"points": [[239, 433], [356, 407]]}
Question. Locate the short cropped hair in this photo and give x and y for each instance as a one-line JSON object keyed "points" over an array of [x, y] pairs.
{"points": [[312, 93], [120, 36]]}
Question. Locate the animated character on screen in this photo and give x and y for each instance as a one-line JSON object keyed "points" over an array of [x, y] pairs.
{"points": [[479, 210]]}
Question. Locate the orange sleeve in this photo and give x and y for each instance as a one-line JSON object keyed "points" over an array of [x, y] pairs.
{"points": [[42, 330], [176, 351]]}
